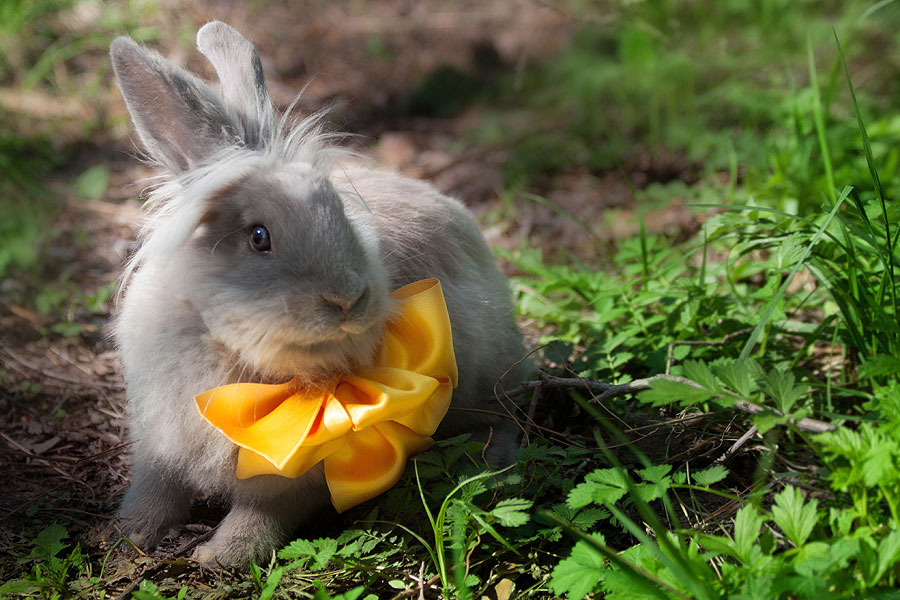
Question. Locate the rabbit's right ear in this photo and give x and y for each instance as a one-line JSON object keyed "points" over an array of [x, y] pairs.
{"points": [[179, 119]]}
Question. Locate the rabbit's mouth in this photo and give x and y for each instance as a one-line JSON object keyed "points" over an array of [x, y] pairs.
{"points": [[348, 348]]}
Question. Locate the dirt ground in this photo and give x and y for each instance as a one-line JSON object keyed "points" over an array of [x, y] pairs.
{"points": [[63, 444]]}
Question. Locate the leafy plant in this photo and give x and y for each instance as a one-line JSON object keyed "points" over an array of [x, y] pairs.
{"points": [[52, 565]]}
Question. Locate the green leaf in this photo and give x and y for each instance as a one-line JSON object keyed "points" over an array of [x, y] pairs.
{"points": [[256, 573], [888, 553], [298, 549], [147, 590], [699, 372], [656, 474], [93, 183], [780, 386], [622, 585], [49, 543], [578, 575], [879, 366], [512, 512], [327, 547], [657, 481], [711, 475], [735, 375], [747, 525], [716, 544], [319, 552], [663, 392], [766, 420], [795, 517], [841, 520], [600, 487], [777, 299], [268, 588], [18, 586], [354, 594], [812, 559], [587, 518]]}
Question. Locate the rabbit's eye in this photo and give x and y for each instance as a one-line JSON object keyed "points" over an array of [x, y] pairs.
{"points": [[260, 240]]}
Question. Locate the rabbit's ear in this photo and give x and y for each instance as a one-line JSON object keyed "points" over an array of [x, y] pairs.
{"points": [[180, 120], [243, 84]]}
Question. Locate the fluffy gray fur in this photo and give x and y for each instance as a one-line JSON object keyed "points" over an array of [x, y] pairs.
{"points": [[203, 309]]}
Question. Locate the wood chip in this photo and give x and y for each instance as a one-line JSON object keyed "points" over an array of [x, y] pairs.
{"points": [[46, 445]]}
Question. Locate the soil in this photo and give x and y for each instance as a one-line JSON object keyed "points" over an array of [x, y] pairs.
{"points": [[63, 445]]}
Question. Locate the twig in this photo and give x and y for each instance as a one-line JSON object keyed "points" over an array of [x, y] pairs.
{"points": [[102, 453], [193, 543], [602, 391], [526, 438], [563, 438], [498, 390], [35, 498], [420, 589], [736, 446], [59, 376]]}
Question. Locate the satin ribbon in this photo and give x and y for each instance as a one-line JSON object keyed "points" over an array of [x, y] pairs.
{"points": [[364, 426]]}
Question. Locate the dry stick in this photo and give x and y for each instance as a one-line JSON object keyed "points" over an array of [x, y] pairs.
{"points": [[497, 390], [115, 448], [421, 580], [417, 590], [193, 543], [59, 376], [68, 478], [736, 446], [34, 499], [526, 439], [602, 391], [549, 431], [65, 460]]}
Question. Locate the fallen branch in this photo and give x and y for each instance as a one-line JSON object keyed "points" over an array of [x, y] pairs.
{"points": [[601, 391]]}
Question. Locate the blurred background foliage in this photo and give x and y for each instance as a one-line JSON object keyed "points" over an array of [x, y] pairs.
{"points": [[709, 81], [718, 85]]}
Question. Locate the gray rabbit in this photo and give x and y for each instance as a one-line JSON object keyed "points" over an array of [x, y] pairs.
{"points": [[269, 254]]}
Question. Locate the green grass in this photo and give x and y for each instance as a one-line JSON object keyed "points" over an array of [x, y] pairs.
{"points": [[786, 301]]}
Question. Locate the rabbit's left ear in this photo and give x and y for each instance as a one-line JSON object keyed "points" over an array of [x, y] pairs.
{"points": [[243, 84]]}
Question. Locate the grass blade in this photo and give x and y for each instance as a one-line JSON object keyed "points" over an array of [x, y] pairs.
{"points": [[666, 551], [819, 119], [873, 173], [613, 556], [770, 307]]}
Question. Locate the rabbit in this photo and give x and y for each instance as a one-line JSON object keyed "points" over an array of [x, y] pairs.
{"points": [[268, 254]]}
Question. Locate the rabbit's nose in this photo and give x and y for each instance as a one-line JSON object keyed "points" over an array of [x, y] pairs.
{"points": [[347, 302]]}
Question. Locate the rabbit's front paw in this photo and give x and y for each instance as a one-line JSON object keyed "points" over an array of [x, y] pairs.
{"points": [[144, 530], [246, 534], [153, 506]]}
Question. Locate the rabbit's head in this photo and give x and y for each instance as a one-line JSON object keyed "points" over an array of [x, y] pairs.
{"points": [[247, 226]]}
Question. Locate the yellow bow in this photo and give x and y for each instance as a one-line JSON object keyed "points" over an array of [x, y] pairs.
{"points": [[364, 426]]}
